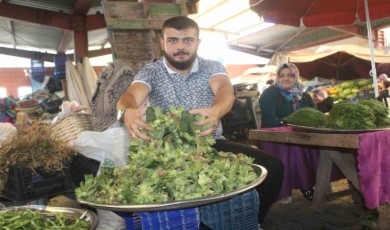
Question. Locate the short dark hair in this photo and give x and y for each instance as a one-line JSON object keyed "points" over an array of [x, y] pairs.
{"points": [[180, 23], [269, 82]]}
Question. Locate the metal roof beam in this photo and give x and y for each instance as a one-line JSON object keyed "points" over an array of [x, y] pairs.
{"points": [[288, 36], [66, 41], [95, 22], [48, 18], [12, 32], [354, 30], [253, 51], [47, 56], [26, 54], [99, 52], [317, 43], [81, 7], [36, 16]]}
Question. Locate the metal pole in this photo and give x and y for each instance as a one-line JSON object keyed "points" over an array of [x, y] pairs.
{"points": [[373, 70]]}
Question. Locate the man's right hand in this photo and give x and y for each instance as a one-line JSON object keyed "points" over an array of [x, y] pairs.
{"points": [[133, 122]]}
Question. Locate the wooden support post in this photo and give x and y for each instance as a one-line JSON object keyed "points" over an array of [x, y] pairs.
{"points": [[324, 171], [80, 34], [384, 217], [346, 162]]}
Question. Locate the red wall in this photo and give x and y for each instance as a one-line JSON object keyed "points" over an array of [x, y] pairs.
{"points": [[238, 70], [12, 78]]}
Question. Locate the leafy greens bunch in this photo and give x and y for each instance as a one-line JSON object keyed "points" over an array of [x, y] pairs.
{"points": [[381, 112], [351, 115], [176, 165]]}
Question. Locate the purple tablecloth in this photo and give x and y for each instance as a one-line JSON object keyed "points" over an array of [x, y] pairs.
{"points": [[374, 167], [300, 164]]}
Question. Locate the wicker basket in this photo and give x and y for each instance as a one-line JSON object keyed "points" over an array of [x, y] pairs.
{"points": [[68, 128]]}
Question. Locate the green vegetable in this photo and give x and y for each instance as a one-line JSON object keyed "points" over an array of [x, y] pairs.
{"points": [[176, 165], [380, 111], [379, 108], [36, 219], [350, 115], [306, 117]]}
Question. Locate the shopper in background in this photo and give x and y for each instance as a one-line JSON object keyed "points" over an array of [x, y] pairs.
{"points": [[181, 78], [321, 98], [384, 93], [268, 83], [333, 82], [277, 102], [383, 77]]}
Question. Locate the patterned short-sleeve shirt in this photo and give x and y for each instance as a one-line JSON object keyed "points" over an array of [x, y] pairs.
{"points": [[169, 88]]}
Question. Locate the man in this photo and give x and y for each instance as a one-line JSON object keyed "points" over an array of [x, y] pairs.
{"points": [[202, 87]]}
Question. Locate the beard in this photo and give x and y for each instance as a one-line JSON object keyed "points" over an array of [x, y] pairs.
{"points": [[180, 65]]}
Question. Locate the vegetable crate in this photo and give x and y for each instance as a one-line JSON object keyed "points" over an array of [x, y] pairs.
{"points": [[25, 184], [236, 213], [184, 219]]}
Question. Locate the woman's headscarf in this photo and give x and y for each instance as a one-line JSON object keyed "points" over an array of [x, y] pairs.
{"points": [[293, 95]]}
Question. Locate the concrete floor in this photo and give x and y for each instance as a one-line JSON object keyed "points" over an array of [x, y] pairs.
{"points": [[340, 214]]}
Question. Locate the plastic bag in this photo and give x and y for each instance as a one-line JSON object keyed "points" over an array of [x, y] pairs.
{"points": [[7, 131], [113, 145]]}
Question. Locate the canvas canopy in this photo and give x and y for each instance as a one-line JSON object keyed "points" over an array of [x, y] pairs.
{"points": [[344, 62], [323, 51]]}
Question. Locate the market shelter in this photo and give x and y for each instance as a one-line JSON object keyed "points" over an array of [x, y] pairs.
{"points": [[343, 62]]}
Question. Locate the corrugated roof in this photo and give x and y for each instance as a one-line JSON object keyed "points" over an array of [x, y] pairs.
{"points": [[231, 17]]}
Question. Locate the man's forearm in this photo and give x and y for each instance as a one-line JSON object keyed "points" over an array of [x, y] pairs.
{"points": [[223, 101], [126, 101]]}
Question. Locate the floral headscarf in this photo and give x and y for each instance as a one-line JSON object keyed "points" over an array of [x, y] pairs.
{"points": [[294, 94]]}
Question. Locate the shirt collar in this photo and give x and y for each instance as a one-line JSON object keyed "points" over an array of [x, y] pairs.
{"points": [[194, 68]]}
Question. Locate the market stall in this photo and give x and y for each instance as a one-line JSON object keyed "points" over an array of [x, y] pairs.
{"points": [[369, 151], [353, 136]]}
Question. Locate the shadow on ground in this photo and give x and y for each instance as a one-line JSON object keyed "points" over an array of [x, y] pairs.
{"points": [[340, 214]]}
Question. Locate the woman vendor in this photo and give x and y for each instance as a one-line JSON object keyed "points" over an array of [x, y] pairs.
{"points": [[277, 102]]}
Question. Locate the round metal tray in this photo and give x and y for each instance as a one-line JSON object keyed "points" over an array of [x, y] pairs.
{"points": [[72, 213], [260, 170], [335, 131]]}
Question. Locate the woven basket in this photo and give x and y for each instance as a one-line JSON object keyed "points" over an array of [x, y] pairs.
{"points": [[68, 128]]}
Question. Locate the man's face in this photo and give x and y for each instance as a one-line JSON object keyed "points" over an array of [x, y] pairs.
{"points": [[180, 47]]}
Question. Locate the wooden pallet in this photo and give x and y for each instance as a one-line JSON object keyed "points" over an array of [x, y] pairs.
{"points": [[134, 29]]}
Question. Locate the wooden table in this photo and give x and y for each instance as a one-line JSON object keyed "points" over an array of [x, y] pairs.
{"points": [[335, 149]]}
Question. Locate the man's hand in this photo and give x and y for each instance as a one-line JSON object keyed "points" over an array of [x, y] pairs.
{"points": [[133, 122], [211, 118]]}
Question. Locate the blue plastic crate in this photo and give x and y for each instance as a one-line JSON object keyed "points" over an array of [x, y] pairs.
{"points": [[132, 221], [236, 213], [60, 59], [184, 219]]}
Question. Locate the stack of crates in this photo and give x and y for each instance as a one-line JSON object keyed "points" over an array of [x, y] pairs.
{"points": [[237, 213], [37, 70], [59, 66], [26, 184], [59, 71]]}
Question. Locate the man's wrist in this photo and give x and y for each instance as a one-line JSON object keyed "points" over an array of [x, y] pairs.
{"points": [[121, 113]]}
